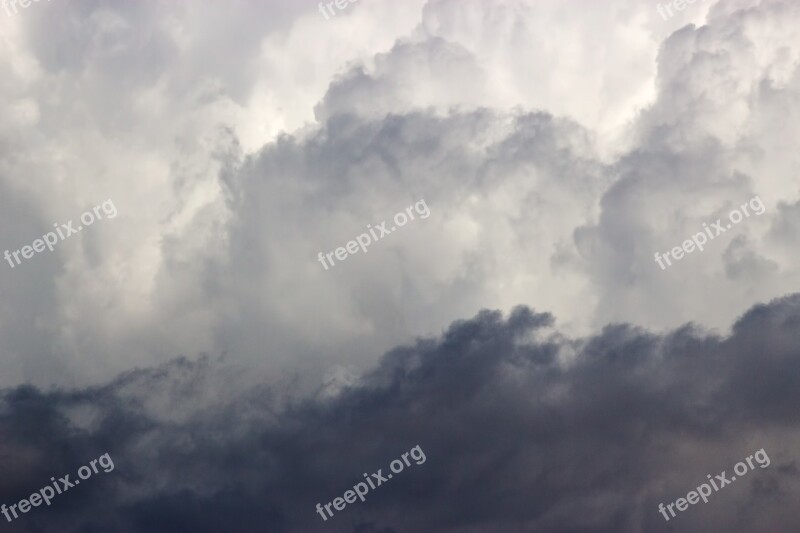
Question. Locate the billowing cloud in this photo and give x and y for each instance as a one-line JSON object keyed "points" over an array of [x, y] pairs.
{"points": [[546, 183], [558, 146], [521, 428]]}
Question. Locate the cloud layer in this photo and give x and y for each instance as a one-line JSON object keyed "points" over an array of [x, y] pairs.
{"points": [[523, 429], [559, 145]]}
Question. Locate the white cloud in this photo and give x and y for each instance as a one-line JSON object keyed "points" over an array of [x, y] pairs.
{"points": [[558, 145]]}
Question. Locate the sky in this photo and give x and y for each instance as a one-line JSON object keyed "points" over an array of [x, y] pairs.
{"points": [[589, 310]]}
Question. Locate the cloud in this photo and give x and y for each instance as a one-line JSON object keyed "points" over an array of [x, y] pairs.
{"points": [[559, 147], [522, 427]]}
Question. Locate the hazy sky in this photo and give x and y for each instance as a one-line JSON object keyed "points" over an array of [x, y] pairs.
{"points": [[559, 145]]}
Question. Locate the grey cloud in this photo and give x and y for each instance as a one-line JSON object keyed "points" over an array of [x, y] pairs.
{"points": [[517, 436], [741, 262], [706, 145], [357, 171], [524, 426], [417, 65]]}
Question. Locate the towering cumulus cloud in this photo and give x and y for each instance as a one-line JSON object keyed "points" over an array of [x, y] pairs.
{"points": [[272, 321]]}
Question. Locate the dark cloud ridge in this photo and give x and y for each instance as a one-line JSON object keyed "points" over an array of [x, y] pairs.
{"points": [[523, 429]]}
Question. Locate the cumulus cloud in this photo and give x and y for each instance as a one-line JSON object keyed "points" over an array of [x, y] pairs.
{"points": [[706, 146], [550, 179], [558, 145], [522, 428]]}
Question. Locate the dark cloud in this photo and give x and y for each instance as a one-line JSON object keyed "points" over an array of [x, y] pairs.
{"points": [[523, 430]]}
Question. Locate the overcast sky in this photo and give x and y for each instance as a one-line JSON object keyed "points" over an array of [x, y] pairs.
{"points": [[523, 334]]}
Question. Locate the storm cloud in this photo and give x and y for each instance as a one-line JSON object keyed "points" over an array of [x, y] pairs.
{"points": [[523, 429], [236, 383]]}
